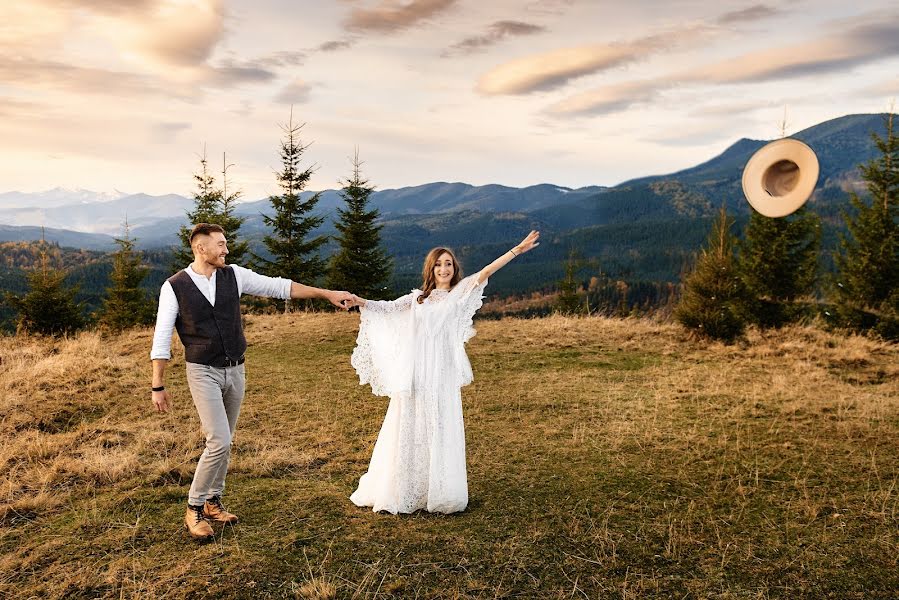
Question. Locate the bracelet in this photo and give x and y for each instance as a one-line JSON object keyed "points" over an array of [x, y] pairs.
{"points": [[513, 252], [158, 389]]}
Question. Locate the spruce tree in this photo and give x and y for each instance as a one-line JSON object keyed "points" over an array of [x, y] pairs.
{"points": [[126, 304], [713, 303], [238, 250], [568, 302], [866, 293], [212, 205], [778, 261], [361, 265], [48, 307], [295, 256]]}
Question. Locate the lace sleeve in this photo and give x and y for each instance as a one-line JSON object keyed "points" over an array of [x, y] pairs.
{"points": [[383, 353], [468, 296], [389, 306]]}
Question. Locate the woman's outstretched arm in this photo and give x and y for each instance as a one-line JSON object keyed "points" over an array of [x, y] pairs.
{"points": [[526, 244], [401, 303]]}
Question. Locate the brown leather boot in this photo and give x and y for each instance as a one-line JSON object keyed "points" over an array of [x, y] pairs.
{"points": [[197, 525], [214, 511]]}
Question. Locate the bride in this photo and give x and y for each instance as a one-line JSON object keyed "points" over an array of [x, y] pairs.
{"points": [[412, 350]]}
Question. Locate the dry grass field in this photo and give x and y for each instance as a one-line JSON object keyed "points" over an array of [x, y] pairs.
{"points": [[607, 459]]}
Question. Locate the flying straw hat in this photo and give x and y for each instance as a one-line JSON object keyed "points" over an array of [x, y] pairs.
{"points": [[780, 177]]}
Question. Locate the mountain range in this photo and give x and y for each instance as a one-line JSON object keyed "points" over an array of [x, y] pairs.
{"points": [[645, 228]]}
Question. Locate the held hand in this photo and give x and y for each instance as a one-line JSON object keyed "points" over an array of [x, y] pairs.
{"points": [[528, 243], [340, 299], [161, 401], [357, 301]]}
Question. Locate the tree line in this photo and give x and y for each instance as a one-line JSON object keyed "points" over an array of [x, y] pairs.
{"points": [[766, 279], [768, 276], [49, 306]]}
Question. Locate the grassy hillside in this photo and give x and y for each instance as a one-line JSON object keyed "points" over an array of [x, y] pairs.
{"points": [[607, 459]]}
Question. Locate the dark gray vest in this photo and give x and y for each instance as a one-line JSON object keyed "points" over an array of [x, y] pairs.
{"points": [[212, 335]]}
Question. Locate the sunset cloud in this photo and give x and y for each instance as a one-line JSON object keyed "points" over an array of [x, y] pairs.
{"points": [[48, 74], [856, 46], [296, 92], [335, 45], [495, 33], [608, 99], [752, 13], [392, 15], [173, 33], [165, 132], [124, 92], [554, 69], [861, 42]]}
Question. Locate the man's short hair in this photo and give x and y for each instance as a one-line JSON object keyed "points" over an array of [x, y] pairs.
{"points": [[204, 229]]}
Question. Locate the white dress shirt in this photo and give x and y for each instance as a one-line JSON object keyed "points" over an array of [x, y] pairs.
{"points": [[248, 282]]}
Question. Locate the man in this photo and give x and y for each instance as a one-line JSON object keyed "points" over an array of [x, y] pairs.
{"points": [[203, 303]]}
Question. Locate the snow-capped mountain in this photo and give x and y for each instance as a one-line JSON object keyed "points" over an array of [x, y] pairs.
{"points": [[56, 197]]}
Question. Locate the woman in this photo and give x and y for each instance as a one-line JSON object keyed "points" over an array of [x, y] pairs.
{"points": [[412, 350]]}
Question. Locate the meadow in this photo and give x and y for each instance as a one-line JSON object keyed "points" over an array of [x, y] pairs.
{"points": [[607, 458]]}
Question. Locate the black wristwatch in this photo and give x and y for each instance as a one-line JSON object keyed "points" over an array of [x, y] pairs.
{"points": [[158, 389]]}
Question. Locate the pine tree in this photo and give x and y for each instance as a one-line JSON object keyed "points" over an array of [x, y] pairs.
{"points": [[48, 307], [713, 303], [212, 205], [126, 303], [295, 256], [568, 302], [238, 250], [866, 293], [778, 261], [361, 265]]}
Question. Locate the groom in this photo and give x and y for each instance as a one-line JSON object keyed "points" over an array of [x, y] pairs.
{"points": [[202, 302]]}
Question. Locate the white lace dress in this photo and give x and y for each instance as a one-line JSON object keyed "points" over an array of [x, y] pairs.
{"points": [[415, 354]]}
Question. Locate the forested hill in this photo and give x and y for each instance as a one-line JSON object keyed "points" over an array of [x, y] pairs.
{"points": [[87, 269], [644, 230]]}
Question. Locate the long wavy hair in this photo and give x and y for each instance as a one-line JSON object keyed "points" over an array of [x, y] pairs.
{"points": [[428, 280]]}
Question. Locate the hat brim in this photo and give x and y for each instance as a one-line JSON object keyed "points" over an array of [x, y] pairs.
{"points": [[769, 155]]}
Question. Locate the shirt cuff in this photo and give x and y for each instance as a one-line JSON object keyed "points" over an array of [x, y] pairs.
{"points": [[285, 293]]}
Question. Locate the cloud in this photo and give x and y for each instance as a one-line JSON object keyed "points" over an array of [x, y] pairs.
{"points": [[860, 42], [335, 45], [858, 45], [392, 15], [888, 88], [107, 6], [549, 7], [702, 133], [58, 75], [12, 108], [719, 109], [296, 92], [495, 33], [608, 99], [230, 74], [554, 69], [283, 58], [165, 132], [752, 13], [173, 33]]}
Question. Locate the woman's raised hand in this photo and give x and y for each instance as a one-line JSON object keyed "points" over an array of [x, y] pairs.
{"points": [[528, 243]]}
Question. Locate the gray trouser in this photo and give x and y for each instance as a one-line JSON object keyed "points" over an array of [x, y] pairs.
{"points": [[217, 394]]}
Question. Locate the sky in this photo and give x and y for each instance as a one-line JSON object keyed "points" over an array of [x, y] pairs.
{"points": [[128, 94]]}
